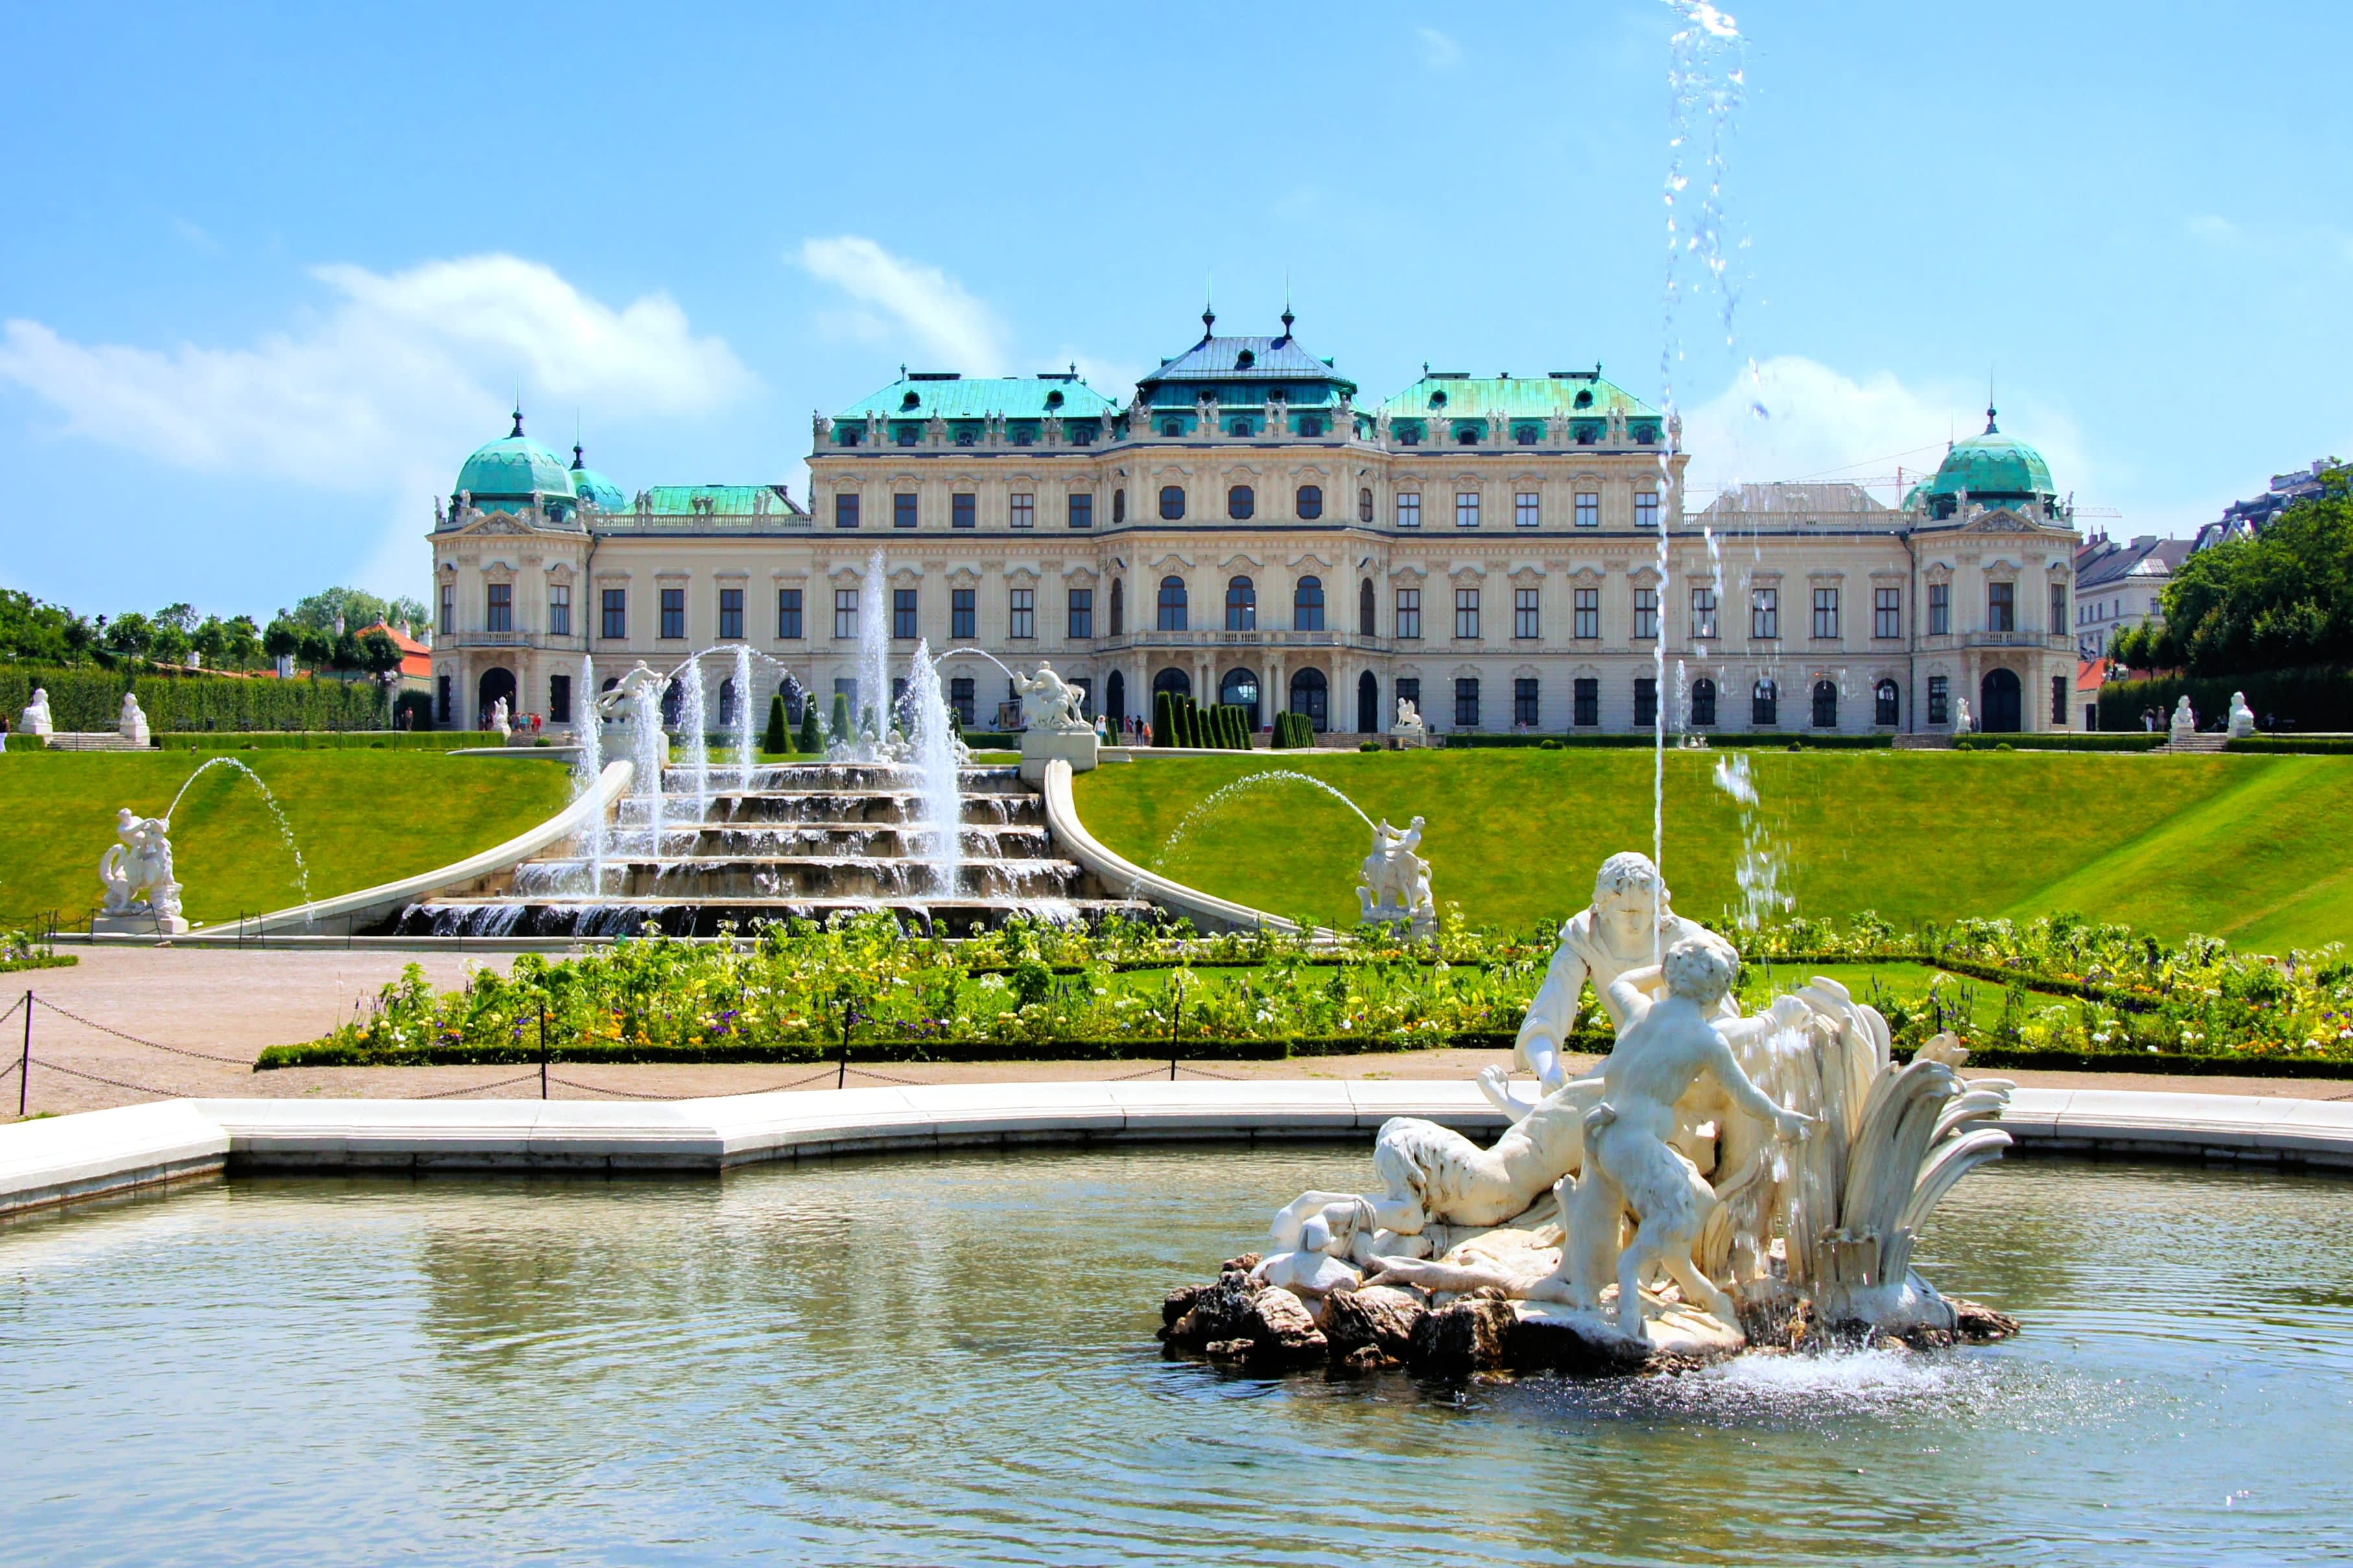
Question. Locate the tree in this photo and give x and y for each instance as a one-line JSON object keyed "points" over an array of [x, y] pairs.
{"points": [[129, 636], [167, 643], [2281, 598], [283, 639], [812, 732], [241, 640], [778, 738], [315, 646], [354, 608]]}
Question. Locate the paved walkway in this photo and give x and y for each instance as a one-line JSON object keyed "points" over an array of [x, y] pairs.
{"points": [[231, 1004]]}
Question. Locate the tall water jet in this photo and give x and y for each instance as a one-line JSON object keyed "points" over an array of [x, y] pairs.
{"points": [[276, 813], [939, 786], [873, 659], [744, 755], [590, 768], [652, 747], [692, 722]]}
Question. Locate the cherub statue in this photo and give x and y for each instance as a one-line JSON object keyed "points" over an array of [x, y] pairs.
{"points": [[132, 722], [137, 868], [1962, 723], [1393, 883], [1049, 703], [501, 720]]}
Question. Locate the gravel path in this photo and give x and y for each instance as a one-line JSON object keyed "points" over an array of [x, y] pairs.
{"points": [[229, 1004]]}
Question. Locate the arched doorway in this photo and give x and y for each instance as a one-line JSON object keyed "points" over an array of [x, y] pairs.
{"points": [[1115, 697], [1174, 682], [1368, 704], [496, 681], [1310, 694], [1825, 705], [1998, 703], [1239, 689]]}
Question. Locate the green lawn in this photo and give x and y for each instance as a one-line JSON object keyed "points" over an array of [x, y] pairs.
{"points": [[359, 817], [2238, 846]]}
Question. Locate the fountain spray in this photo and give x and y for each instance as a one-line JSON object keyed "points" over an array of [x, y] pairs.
{"points": [[590, 768], [939, 777], [873, 659], [692, 722], [744, 754]]}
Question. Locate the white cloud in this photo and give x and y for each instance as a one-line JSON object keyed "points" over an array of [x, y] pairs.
{"points": [[1439, 52], [1799, 419], [908, 302]]}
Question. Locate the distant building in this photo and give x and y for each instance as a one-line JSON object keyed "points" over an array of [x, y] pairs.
{"points": [[2118, 586], [2245, 518]]}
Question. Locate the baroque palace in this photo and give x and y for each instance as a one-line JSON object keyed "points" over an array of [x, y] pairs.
{"points": [[1245, 530]]}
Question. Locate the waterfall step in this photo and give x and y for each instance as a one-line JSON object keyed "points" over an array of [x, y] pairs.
{"points": [[631, 917]]}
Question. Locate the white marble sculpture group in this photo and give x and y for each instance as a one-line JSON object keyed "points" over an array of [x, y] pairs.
{"points": [[1409, 730], [2184, 722], [1393, 883], [1718, 1168], [1051, 704], [136, 869], [36, 720]]}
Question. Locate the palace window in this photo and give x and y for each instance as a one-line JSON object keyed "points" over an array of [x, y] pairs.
{"points": [[1826, 613], [1468, 435], [902, 509], [1409, 689], [960, 698], [1524, 702], [2059, 702], [1887, 612], [1172, 604], [1886, 708], [448, 623], [1940, 609], [1646, 509], [1525, 616], [1408, 613], [1307, 605], [846, 435], [1703, 701], [1172, 427], [906, 435], [1409, 434], [1466, 508], [902, 614], [616, 610], [1172, 503], [1585, 706], [1364, 608], [1311, 502], [1646, 702], [1241, 428], [1083, 614], [2001, 607], [1940, 700], [559, 609], [2058, 617], [1021, 614], [1118, 607], [1241, 502], [788, 615], [1364, 505], [845, 510], [1466, 612], [559, 699], [501, 609], [963, 509], [1825, 705], [1589, 509], [1764, 613], [1119, 504], [731, 614], [1646, 615], [1466, 702], [1585, 613], [964, 614], [1703, 614], [845, 615], [1024, 508], [1764, 705], [1241, 605], [1527, 508], [1409, 509], [1083, 509], [1525, 435], [674, 614]]}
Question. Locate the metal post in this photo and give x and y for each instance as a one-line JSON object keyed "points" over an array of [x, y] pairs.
{"points": [[542, 1050], [1176, 1013], [841, 1079], [25, 1067]]}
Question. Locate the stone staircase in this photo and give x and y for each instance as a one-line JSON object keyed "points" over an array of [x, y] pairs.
{"points": [[2208, 742], [93, 741]]}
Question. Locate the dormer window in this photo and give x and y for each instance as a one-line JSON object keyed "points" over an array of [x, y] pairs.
{"points": [[1241, 428], [964, 437], [1053, 400], [1244, 359], [1467, 436], [1409, 436], [1311, 425], [1438, 400], [912, 400], [1525, 435], [1023, 438], [1172, 427], [906, 435], [847, 436], [1584, 400]]}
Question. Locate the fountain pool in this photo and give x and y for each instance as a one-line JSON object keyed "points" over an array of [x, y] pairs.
{"points": [[852, 1362]]}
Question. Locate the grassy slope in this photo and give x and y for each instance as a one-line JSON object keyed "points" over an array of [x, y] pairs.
{"points": [[2226, 845], [360, 818]]}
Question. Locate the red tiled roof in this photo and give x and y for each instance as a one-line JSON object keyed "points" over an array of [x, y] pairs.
{"points": [[2091, 674], [416, 658]]}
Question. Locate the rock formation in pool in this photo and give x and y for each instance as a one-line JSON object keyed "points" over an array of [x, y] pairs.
{"points": [[1721, 1183]]}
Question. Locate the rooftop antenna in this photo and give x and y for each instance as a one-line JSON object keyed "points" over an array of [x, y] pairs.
{"points": [[1208, 310], [1287, 316]]}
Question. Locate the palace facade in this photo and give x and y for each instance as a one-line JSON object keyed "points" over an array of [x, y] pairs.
{"points": [[1246, 529]]}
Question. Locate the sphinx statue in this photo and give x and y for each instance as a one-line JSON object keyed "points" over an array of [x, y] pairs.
{"points": [[36, 720], [2184, 722], [2242, 718]]}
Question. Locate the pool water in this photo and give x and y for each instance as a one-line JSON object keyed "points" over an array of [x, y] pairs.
{"points": [[951, 1360]]}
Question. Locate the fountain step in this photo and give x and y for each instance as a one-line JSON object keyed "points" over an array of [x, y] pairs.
{"points": [[860, 776], [734, 810], [796, 841], [846, 877], [628, 917]]}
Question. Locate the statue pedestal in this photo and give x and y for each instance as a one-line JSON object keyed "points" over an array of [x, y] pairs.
{"points": [[1079, 748], [138, 923], [1402, 735], [134, 730]]}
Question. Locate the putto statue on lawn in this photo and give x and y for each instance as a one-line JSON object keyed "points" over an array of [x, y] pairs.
{"points": [[36, 720], [1409, 730], [136, 870], [132, 722], [1393, 884], [1723, 1180]]}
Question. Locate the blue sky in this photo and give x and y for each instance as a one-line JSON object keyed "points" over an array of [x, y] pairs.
{"points": [[267, 275]]}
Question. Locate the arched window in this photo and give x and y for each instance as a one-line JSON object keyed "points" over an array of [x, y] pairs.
{"points": [[1364, 505], [1307, 605], [1239, 689], [1525, 435], [1241, 605], [1364, 608], [1119, 505], [1885, 709], [1172, 503], [1119, 606], [1311, 695], [1311, 502], [1703, 701], [1764, 706], [726, 702], [1174, 682], [1241, 428], [1825, 705], [1241, 502], [1172, 604], [1368, 704]]}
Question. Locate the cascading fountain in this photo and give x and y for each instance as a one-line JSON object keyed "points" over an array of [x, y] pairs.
{"points": [[938, 770], [745, 755], [694, 740], [588, 768]]}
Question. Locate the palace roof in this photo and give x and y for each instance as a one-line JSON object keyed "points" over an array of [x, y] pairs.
{"points": [[514, 467], [1458, 395], [947, 396]]}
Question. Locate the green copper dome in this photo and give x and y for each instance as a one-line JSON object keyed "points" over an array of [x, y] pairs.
{"points": [[516, 468], [1993, 467], [593, 488]]}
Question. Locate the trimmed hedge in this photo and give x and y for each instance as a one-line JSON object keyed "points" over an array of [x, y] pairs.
{"points": [[777, 738], [322, 741], [1292, 732], [2075, 742], [1644, 740], [2310, 696], [88, 700], [2291, 745]]}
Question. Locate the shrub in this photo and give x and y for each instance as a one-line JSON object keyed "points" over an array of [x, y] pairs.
{"points": [[2309, 697], [1164, 719], [840, 729], [812, 734], [90, 698], [1368, 745], [778, 737], [1547, 744]]}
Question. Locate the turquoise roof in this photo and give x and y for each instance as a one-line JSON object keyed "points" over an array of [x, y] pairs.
{"points": [[951, 396], [514, 468], [1514, 396], [1992, 466], [679, 500], [1279, 359], [593, 488]]}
